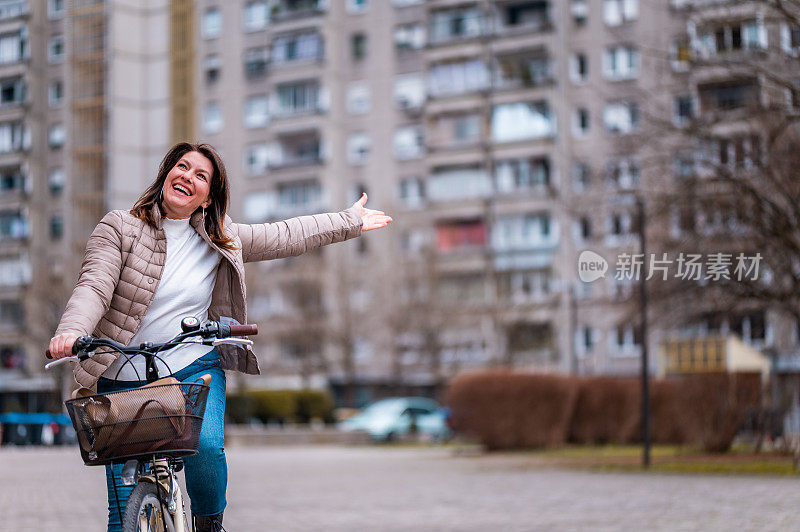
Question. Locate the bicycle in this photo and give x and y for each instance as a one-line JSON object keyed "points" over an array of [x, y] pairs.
{"points": [[148, 429]]}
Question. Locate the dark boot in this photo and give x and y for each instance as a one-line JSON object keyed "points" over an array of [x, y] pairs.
{"points": [[211, 523]]}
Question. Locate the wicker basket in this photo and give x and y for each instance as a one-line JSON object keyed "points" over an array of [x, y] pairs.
{"points": [[116, 426]]}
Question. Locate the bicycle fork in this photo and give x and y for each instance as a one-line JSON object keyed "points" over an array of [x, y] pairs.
{"points": [[166, 479]]}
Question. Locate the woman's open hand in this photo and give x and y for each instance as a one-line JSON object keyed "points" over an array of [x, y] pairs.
{"points": [[372, 219]]}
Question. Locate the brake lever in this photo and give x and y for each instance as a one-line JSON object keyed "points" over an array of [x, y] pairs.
{"points": [[237, 341], [62, 360]]}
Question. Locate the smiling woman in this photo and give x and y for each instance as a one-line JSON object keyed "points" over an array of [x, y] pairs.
{"points": [[177, 254]]}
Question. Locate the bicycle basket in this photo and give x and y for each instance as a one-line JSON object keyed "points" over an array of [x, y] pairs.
{"points": [[161, 418]]}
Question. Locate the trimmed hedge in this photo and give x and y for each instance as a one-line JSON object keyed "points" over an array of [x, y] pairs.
{"points": [[299, 406], [506, 410], [513, 410]]}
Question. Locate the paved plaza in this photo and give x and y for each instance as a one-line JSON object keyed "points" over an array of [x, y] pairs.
{"points": [[399, 488]]}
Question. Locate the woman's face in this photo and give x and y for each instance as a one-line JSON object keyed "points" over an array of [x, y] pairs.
{"points": [[187, 185]]}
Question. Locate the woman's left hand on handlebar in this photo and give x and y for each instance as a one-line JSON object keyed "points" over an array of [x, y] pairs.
{"points": [[371, 219]]}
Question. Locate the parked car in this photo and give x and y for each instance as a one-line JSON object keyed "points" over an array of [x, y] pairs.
{"points": [[390, 418]]}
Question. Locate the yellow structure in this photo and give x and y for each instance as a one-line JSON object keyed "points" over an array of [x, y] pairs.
{"points": [[711, 354]]}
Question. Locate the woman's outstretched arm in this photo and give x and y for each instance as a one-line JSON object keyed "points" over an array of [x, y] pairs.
{"points": [[295, 236]]}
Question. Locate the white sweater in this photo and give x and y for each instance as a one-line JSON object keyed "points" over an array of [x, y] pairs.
{"points": [[185, 289]]}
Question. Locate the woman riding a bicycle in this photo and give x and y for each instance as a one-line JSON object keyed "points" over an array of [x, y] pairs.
{"points": [[176, 254]]}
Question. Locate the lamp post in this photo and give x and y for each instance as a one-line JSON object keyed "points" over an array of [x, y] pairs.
{"points": [[640, 206]]}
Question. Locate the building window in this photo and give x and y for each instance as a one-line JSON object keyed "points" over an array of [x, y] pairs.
{"points": [[355, 7], [55, 93], [212, 118], [580, 12], [585, 228], [616, 12], [13, 46], [466, 129], [622, 173], [11, 181], [457, 182], [460, 235], [458, 77], [524, 232], [299, 193], [256, 159], [358, 46], [581, 176], [409, 90], [12, 92], [304, 46], [409, 143], [731, 38], [580, 122], [211, 25], [213, 67], [458, 23], [515, 175], [56, 180], [55, 9], [56, 227], [358, 98], [412, 191], [255, 16], [621, 62], [621, 117], [523, 120], [790, 38], [56, 136], [55, 49], [726, 96], [683, 109], [409, 37], [255, 61], [579, 68], [358, 146], [297, 98], [680, 54], [13, 224], [12, 312], [256, 112]]}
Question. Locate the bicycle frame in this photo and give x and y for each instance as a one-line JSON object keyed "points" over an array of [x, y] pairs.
{"points": [[163, 474]]}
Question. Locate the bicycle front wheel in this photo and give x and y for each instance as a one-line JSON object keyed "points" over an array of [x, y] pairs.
{"points": [[145, 512]]}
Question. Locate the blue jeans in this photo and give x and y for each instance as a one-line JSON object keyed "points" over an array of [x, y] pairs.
{"points": [[207, 471]]}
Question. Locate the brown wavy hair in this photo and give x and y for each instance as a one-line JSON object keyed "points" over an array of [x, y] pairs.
{"points": [[218, 192]]}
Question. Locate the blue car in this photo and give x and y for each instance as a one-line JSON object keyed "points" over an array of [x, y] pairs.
{"points": [[388, 419]]}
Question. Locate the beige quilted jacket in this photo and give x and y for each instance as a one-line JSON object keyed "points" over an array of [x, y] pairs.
{"points": [[125, 258]]}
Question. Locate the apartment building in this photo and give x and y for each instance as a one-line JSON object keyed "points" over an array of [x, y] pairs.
{"points": [[504, 137], [494, 132], [84, 120]]}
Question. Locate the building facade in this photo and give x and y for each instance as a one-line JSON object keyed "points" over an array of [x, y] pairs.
{"points": [[504, 137]]}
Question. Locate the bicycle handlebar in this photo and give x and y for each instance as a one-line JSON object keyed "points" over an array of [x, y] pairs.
{"points": [[209, 329], [250, 329]]}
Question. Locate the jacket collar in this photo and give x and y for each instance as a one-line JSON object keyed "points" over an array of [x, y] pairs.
{"points": [[197, 220]]}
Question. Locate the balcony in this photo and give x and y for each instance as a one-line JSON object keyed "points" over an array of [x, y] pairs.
{"points": [[15, 271], [13, 225], [13, 8], [297, 150], [729, 95], [456, 25], [289, 199], [523, 70], [286, 10], [514, 18]]}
